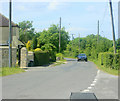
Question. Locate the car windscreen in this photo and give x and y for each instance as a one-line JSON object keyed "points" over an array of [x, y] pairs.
{"points": [[82, 55]]}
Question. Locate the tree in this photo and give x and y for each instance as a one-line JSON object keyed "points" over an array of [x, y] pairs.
{"points": [[52, 36], [34, 43], [89, 46], [26, 31]]}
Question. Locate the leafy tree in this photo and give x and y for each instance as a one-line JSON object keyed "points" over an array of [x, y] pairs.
{"points": [[26, 31], [52, 36], [88, 45], [34, 43]]}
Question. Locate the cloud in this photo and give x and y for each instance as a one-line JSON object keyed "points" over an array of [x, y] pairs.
{"points": [[90, 8], [53, 5], [21, 7]]}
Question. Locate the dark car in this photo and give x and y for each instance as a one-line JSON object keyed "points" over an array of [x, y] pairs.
{"points": [[82, 57]]}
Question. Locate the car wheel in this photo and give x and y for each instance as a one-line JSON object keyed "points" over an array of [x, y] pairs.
{"points": [[85, 60]]}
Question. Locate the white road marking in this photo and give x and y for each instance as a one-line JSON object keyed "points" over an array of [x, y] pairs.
{"points": [[86, 90], [95, 79], [89, 87], [98, 71], [93, 83]]}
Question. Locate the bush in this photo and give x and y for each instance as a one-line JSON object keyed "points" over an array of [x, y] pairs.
{"points": [[59, 56], [28, 45], [34, 43], [52, 56], [116, 62], [41, 58], [109, 60], [100, 58], [37, 49]]}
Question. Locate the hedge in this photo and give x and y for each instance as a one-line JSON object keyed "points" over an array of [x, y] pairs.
{"points": [[59, 56], [100, 58], [109, 60], [52, 56], [41, 58]]}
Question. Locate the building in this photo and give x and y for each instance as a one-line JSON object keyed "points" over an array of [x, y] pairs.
{"points": [[4, 39]]}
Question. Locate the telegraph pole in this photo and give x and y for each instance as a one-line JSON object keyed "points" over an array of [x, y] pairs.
{"points": [[72, 37], [60, 36], [98, 33], [113, 30], [79, 43], [10, 34]]}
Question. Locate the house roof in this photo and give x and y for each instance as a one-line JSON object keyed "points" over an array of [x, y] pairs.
{"points": [[4, 22]]}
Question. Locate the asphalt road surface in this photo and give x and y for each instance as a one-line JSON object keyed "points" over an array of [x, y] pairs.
{"points": [[50, 82]]}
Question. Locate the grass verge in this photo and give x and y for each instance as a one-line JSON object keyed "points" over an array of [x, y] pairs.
{"points": [[104, 69], [71, 57], [59, 62], [4, 71]]}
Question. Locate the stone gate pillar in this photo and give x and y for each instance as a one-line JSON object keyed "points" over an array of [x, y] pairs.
{"points": [[23, 59]]}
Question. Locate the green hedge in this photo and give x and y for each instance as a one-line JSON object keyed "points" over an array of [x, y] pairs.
{"points": [[41, 58], [100, 58], [59, 56], [109, 60], [52, 56]]}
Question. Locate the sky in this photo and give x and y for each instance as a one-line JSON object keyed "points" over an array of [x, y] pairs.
{"points": [[77, 17]]}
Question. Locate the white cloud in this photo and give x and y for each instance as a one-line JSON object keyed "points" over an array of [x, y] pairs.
{"points": [[53, 5], [90, 8], [21, 7]]}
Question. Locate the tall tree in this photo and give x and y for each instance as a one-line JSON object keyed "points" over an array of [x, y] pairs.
{"points": [[52, 36], [26, 31], [34, 43]]}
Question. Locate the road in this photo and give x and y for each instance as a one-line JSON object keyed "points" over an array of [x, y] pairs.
{"points": [[50, 82]]}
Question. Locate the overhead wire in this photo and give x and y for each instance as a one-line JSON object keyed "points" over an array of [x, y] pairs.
{"points": [[104, 15]]}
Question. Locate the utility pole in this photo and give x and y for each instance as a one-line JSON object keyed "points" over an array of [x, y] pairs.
{"points": [[60, 36], [79, 43], [72, 37], [113, 30], [72, 42], [10, 34], [98, 33]]}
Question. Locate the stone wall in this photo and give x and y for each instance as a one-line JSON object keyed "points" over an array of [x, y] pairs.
{"points": [[24, 57], [4, 56]]}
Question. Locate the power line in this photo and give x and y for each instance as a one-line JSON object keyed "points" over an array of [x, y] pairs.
{"points": [[104, 15]]}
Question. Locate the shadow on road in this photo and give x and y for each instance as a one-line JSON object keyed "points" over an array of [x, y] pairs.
{"points": [[71, 60]]}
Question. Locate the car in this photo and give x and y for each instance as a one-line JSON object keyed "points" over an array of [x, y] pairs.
{"points": [[82, 57]]}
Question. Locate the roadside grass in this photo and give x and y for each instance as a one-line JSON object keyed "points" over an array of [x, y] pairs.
{"points": [[70, 57], [4, 71], [59, 62], [104, 69]]}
